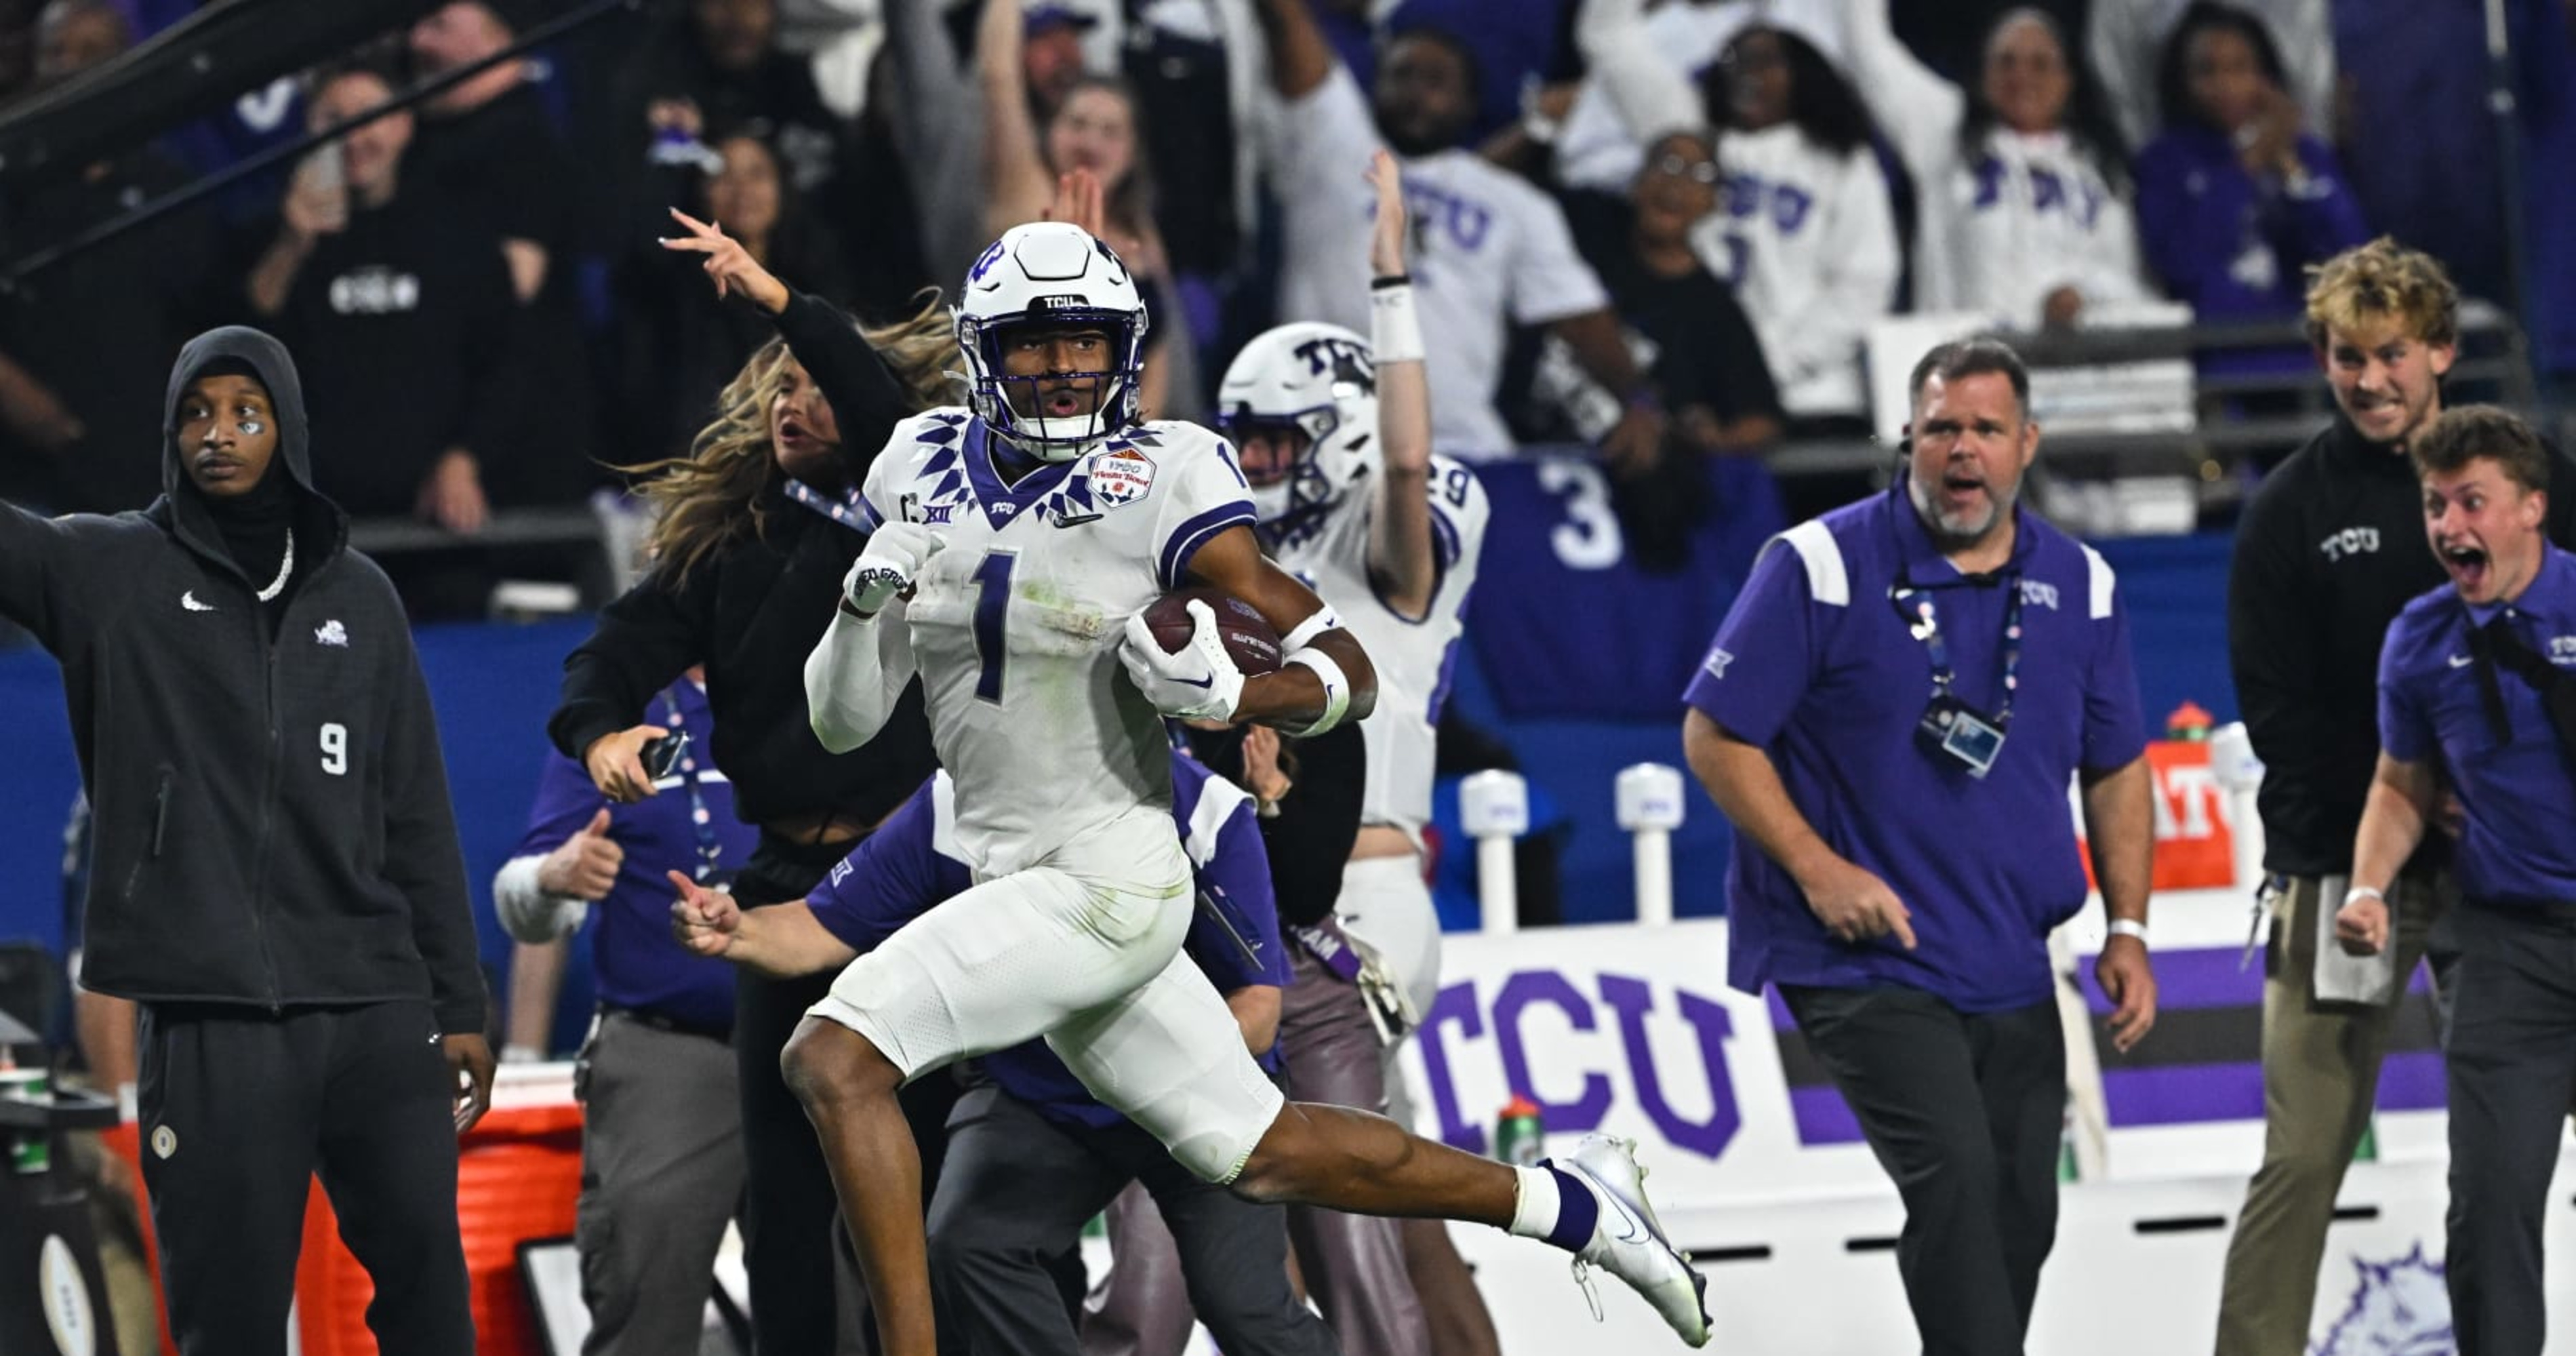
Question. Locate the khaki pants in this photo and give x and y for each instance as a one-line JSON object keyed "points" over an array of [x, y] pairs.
{"points": [[2320, 1077]]}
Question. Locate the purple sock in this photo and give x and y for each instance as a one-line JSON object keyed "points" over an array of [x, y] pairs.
{"points": [[1576, 1211]]}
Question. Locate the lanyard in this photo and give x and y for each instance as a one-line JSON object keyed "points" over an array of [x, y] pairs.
{"points": [[844, 508], [1915, 605], [699, 818]]}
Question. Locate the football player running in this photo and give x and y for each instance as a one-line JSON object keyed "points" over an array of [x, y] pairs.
{"points": [[1016, 543]]}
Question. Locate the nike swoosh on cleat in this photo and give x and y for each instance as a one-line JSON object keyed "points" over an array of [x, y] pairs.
{"points": [[1631, 1228]]}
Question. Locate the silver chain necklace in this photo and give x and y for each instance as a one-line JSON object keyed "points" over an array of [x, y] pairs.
{"points": [[285, 568]]}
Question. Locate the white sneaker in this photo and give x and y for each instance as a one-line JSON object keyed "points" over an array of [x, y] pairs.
{"points": [[1628, 1242]]}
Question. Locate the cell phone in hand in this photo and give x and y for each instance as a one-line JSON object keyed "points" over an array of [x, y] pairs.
{"points": [[324, 171], [662, 756]]}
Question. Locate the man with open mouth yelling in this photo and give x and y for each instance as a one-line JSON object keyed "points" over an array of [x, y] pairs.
{"points": [[1899, 681], [2475, 695]]}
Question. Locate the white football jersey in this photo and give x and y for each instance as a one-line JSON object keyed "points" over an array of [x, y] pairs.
{"points": [[1017, 620], [1999, 230], [1328, 549], [1808, 240], [1488, 251]]}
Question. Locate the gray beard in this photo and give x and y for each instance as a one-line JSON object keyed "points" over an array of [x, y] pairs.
{"points": [[1949, 541]]}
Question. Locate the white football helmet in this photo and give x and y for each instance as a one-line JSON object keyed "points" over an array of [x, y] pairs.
{"points": [[1051, 273], [1320, 380]]}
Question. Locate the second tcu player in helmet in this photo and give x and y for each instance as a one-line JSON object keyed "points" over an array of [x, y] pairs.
{"points": [[1335, 436], [1300, 402]]}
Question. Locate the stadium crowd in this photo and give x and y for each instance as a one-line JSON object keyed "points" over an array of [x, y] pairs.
{"points": [[1662, 230]]}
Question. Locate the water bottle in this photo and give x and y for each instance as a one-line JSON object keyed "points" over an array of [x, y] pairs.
{"points": [[1519, 1135], [30, 1151]]}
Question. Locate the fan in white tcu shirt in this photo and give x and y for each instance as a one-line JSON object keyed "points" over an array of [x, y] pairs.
{"points": [[1489, 250], [1804, 229], [2021, 217], [1016, 543]]}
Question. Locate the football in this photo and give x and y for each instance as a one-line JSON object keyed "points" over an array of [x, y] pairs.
{"points": [[1247, 635]]}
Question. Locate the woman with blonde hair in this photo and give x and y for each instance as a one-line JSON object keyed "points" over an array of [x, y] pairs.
{"points": [[754, 534]]}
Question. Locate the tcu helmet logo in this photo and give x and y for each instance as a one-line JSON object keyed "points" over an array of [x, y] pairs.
{"points": [[2351, 541], [984, 262], [1117, 266], [1348, 362]]}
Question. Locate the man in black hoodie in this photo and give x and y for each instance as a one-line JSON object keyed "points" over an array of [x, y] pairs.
{"points": [[276, 879]]}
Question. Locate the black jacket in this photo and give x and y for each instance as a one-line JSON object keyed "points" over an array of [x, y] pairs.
{"points": [[751, 613], [270, 807], [2329, 551]]}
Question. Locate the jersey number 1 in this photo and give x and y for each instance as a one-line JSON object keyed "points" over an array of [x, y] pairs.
{"points": [[992, 603]]}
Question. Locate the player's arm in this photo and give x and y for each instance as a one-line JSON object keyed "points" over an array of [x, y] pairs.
{"points": [[1401, 559], [780, 940], [1328, 677], [857, 673]]}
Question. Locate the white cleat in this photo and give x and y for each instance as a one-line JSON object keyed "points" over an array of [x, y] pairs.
{"points": [[1629, 1243]]}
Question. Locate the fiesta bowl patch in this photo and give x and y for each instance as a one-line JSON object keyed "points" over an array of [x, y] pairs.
{"points": [[1121, 477]]}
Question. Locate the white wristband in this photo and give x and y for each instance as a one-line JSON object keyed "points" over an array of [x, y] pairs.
{"points": [[2364, 892], [1395, 332], [1337, 690], [2128, 927], [1304, 633]]}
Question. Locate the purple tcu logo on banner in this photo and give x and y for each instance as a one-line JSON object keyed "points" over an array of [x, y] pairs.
{"points": [[1460, 1015]]}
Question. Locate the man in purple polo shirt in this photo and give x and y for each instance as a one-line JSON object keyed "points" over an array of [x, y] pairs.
{"points": [[1031, 1154], [661, 1139], [2473, 694], [1890, 715]]}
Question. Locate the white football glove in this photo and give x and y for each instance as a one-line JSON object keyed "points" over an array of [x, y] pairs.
{"points": [[1199, 683], [895, 553]]}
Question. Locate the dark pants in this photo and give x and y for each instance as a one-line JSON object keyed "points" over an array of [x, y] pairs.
{"points": [[789, 1249], [241, 1107], [2512, 1068], [1017, 1190], [807, 1298], [1964, 1110]]}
